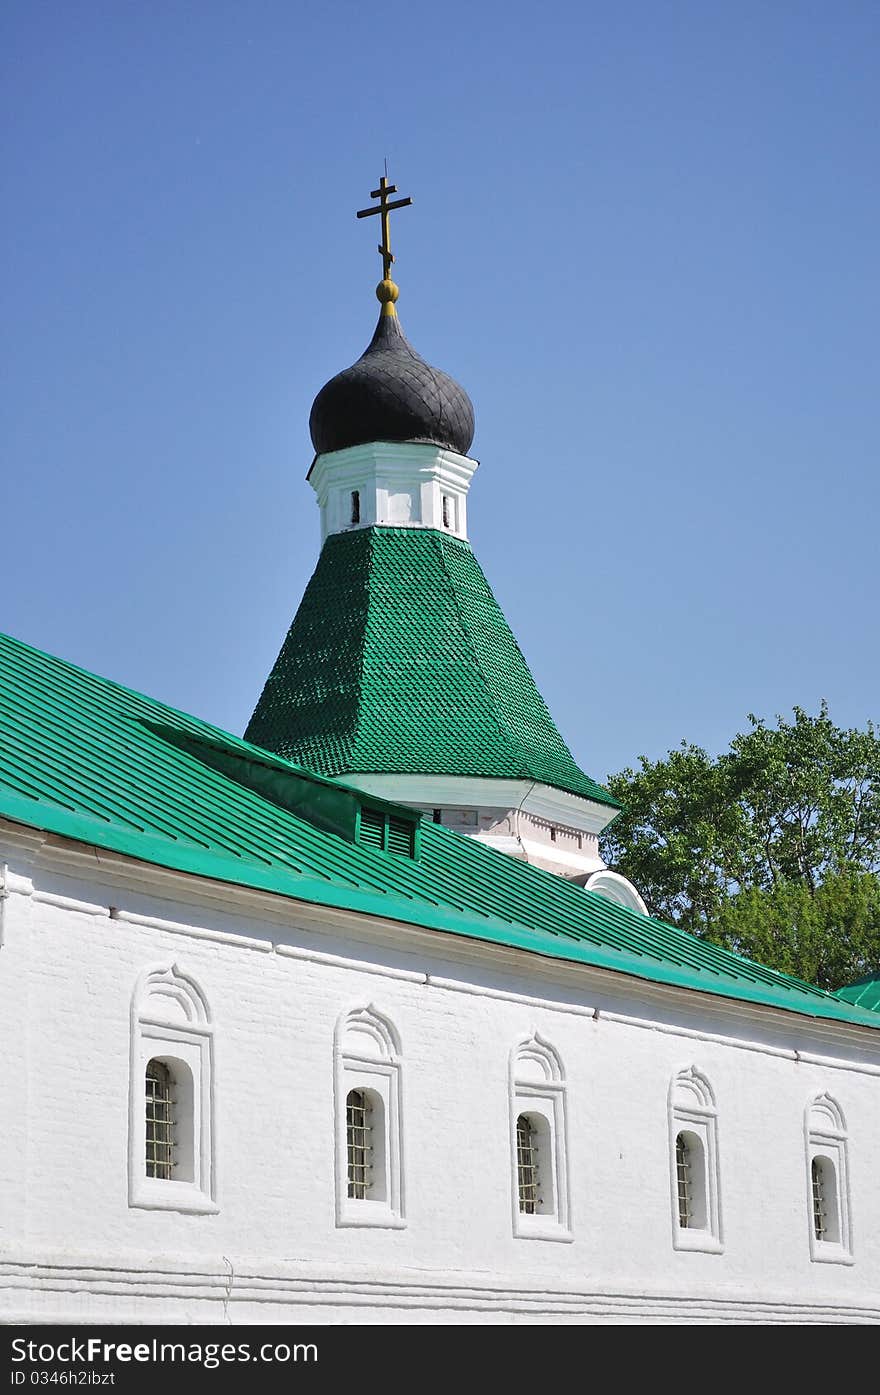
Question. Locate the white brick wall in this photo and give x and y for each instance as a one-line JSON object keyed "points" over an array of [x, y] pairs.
{"points": [[73, 1248]]}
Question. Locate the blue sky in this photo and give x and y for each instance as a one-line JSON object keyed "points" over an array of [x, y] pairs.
{"points": [[644, 237]]}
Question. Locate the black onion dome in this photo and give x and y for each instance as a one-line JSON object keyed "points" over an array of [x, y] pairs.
{"points": [[391, 394]]}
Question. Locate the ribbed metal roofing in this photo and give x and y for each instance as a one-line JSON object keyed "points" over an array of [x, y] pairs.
{"points": [[865, 992], [86, 759], [400, 661]]}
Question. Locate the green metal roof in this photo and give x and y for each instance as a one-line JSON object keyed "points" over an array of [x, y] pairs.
{"points": [[400, 660], [865, 992], [86, 759]]}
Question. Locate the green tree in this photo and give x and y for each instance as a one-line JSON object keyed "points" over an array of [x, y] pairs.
{"points": [[771, 848], [830, 936]]}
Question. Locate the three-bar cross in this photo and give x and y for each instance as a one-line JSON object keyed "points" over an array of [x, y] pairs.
{"points": [[384, 207]]}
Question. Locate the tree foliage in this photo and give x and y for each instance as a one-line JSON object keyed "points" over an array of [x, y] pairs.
{"points": [[830, 936], [772, 848]]}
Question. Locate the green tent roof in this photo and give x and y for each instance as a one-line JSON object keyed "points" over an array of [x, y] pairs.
{"points": [[86, 759], [400, 661]]}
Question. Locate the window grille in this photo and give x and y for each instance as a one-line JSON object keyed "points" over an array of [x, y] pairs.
{"points": [[527, 1165], [683, 1181], [820, 1213], [160, 1121], [355, 506], [360, 1148]]}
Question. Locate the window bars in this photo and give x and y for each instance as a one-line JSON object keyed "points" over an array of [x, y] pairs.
{"points": [[683, 1181], [360, 1148], [527, 1165], [160, 1121], [820, 1215]]}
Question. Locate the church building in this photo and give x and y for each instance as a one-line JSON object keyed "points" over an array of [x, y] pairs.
{"points": [[346, 1020]]}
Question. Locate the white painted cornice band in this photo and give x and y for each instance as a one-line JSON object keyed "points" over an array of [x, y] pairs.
{"points": [[399, 484], [467, 791]]}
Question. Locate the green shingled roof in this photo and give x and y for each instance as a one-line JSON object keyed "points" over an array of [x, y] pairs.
{"points": [[400, 661], [88, 760]]}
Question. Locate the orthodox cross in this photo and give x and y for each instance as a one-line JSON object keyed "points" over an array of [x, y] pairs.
{"points": [[384, 207]]}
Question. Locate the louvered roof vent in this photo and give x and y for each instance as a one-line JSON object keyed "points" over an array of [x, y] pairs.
{"points": [[387, 831]]}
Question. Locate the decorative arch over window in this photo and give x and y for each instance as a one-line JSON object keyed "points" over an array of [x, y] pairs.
{"points": [[828, 1182], [693, 1163], [538, 1141], [617, 888], [369, 1126], [171, 1106]]}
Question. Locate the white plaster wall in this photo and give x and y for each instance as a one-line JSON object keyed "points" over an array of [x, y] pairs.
{"points": [[277, 977]]}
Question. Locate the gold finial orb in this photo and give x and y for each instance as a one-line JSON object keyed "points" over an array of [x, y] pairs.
{"points": [[387, 293]]}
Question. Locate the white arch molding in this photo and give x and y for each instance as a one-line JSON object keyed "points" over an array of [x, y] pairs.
{"points": [[537, 1090], [368, 1057], [616, 888], [693, 1113], [171, 1022], [827, 1144]]}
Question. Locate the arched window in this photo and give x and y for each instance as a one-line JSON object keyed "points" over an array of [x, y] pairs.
{"points": [[828, 1182], [693, 1145], [533, 1175], [824, 1189], [159, 1120], [538, 1142], [365, 1136], [171, 1149], [683, 1166], [369, 1181], [359, 1127], [690, 1177]]}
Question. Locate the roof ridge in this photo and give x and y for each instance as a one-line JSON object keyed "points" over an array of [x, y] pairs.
{"points": [[440, 541], [498, 711], [354, 739]]}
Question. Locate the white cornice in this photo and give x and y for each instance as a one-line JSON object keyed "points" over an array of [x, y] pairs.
{"points": [[398, 484], [394, 458], [367, 936], [476, 792], [556, 859]]}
